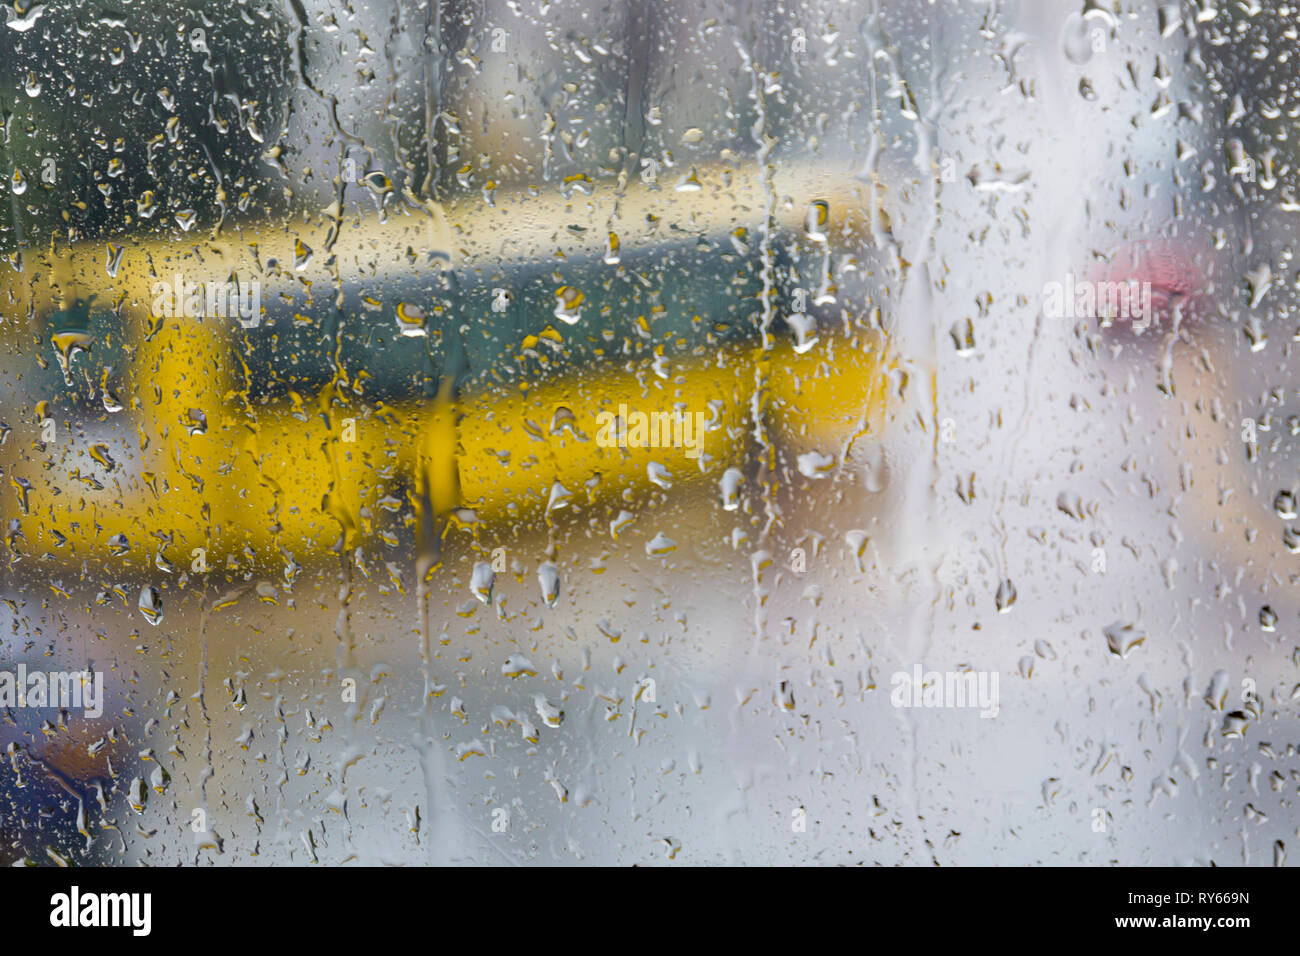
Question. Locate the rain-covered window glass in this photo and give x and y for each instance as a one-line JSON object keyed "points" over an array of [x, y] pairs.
{"points": [[558, 431]]}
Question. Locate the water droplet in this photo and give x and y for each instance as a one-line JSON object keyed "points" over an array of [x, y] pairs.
{"points": [[1122, 638], [378, 183], [112, 403], [196, 421], [1284, 505], [27, 20], [66, 346], [23, 487], [963, 336], [548, 577], [411, 319], [563, 420], [1216, 694], [302, 255], [516, 665], [739, 240], [783, 697], [151, 604], [620, 522], [99, 452], [1235, 723], [560, 496], [113, 260], [730, 485], [1006, 596], [578, 182], [1170, 18], [690, 183], [660, 544], [551, 714], [814, 464], [805, 331], [482, 581], [856, 541], [817, 220], [1076, 40], [1260, 280], [137, 797], [568, 306]]}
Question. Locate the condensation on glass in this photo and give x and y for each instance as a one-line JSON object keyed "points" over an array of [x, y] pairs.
{"points": [[674, 433]]}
